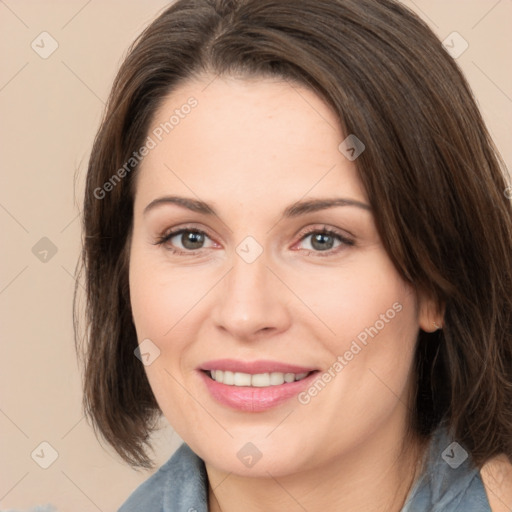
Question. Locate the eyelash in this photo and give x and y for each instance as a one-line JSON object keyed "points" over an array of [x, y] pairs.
{"points": [[312, 231]]}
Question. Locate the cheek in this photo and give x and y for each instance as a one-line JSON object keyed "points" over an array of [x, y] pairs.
{"points": [[372, 315], [161, 300], [169, 306], [161, 297], [364, 299]]}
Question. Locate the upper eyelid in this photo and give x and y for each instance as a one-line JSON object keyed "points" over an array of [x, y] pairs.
{"points": [[343, 233], [187, 227]]}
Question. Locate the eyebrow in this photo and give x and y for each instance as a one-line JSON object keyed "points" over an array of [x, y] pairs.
{"points": [[294, 210]]}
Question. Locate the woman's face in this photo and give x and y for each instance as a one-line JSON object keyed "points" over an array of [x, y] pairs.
{"points": [[255, 254]]}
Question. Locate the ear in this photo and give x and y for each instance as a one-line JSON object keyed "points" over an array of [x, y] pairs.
{"points": [[430, 314]]}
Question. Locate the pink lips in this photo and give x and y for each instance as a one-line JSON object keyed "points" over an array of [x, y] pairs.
{"points": [[254, 399], [253, 367]]}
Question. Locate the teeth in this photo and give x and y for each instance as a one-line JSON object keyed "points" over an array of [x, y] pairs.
{"points": [[258, 380], [242, 379], [276, 378]]}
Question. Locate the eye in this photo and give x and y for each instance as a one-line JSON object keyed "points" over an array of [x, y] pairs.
{"points": [[324, 240], [185, 240]]}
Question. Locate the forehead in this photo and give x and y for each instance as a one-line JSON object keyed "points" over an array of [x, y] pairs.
{"points": [[246, 138]]}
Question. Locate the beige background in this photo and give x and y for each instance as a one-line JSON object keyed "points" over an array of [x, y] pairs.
{"points": [[50, 109]]}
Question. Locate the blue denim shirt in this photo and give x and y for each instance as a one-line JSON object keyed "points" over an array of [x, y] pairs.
{"points": [[449, 483]]}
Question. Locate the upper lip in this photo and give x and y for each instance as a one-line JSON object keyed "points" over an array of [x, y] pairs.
{"points": [[254, 367]]}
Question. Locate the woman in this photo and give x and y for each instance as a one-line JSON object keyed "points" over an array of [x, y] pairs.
{"points": [[297, 249]]}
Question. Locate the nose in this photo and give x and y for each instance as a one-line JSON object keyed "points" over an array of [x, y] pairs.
{"points": [[251, 301]]}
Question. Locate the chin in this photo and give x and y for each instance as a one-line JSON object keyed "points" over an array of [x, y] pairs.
{"points": [[256, 458]]}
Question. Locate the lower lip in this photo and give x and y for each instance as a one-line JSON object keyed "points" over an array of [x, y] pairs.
{"points": [[254, 399]]}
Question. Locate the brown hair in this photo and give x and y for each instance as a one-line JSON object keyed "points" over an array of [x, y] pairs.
{"points": [[432, 174]]}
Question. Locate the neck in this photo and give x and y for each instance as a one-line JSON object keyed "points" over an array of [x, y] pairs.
{"points": [[376, 476]]}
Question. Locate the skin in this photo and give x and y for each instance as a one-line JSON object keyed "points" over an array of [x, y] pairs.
{"points": [[250, 149], [497, 478]]}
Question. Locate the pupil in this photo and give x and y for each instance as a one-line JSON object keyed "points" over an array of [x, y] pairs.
{"points": [[191, 240], [322, 242]]}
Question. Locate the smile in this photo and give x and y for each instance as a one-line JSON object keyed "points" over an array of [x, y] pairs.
{"points": [[254, 386], [258, 380]]}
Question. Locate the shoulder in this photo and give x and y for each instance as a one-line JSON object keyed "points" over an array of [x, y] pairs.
{"points": [[149, 494], [179, 481], [497, 478]]}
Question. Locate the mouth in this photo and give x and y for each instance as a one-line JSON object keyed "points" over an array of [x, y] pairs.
{"points": [[254, 386]]}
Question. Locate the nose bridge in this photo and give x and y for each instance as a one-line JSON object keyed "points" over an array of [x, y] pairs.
{"points": [[248, 279], [251, 298]]}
